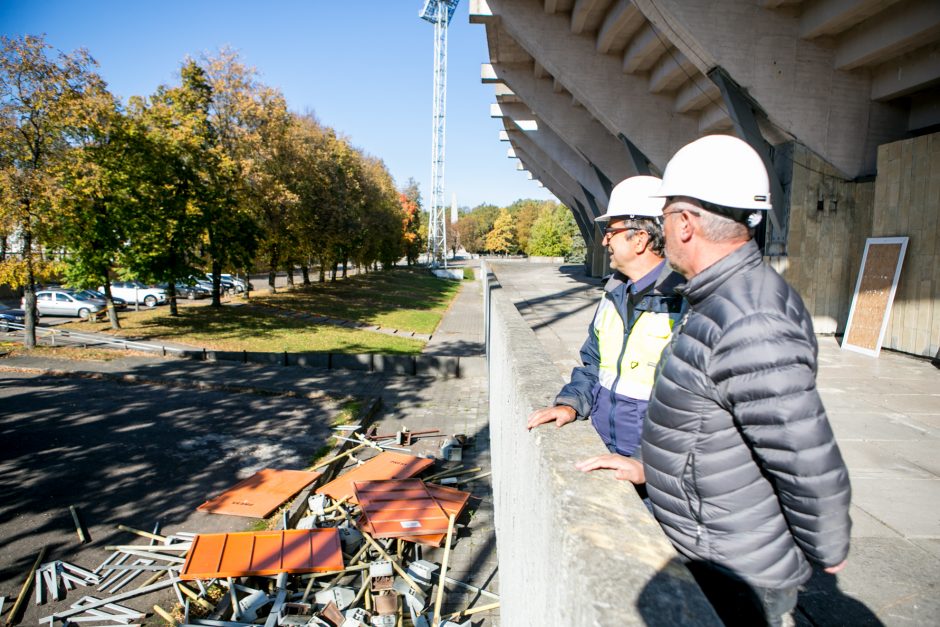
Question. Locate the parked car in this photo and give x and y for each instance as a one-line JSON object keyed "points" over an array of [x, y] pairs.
{"points": [[191, 292], [64, 303], [11, 316], [229, 282], [227, 285], [240, 284], [137, 292], [119, 303]]}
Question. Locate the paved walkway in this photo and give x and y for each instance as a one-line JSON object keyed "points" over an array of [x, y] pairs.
{"points": [[885, 412], [886, 416], [422, 402]]}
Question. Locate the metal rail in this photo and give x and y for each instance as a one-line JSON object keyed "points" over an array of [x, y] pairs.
{"points": [[73, 337]]}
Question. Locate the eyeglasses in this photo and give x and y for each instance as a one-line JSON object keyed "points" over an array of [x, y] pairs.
{"points": [[611, 231], [669, 213]]}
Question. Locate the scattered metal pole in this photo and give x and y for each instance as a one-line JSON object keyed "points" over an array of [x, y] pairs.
{"points": [[11, 617], [440, 580]]}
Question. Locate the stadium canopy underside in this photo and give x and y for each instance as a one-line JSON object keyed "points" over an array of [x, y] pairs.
{"points": [[593, 91]]}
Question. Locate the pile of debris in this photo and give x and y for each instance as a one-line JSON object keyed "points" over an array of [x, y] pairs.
{"points": [[348, 553]]}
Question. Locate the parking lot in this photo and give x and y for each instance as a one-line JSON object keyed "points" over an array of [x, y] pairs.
{"points": [[130, 454]]}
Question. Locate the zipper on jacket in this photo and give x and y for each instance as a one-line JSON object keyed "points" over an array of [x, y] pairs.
{"points": [[627, 328], [695, 512]]}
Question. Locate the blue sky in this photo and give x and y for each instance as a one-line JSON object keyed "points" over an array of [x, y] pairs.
{"points": [[364, 67]]}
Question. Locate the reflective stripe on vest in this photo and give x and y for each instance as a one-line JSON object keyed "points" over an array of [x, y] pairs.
{"points": [[649, 337]]}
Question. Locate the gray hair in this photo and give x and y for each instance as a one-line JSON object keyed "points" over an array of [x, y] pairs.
{"points": [[720, 228], [654, 230]]}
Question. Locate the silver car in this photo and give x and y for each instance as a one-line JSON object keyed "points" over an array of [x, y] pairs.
{"points": [[60, 303]]}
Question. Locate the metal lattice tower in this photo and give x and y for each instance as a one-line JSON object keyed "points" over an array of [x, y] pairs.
{"points": [[439, 13]]}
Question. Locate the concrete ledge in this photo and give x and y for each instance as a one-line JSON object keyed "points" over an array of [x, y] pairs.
{"points": [[574, 549], [427, 365], [446, 367]]}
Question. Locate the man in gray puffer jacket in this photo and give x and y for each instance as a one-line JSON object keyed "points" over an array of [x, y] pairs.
{"points": [[740, 462]]}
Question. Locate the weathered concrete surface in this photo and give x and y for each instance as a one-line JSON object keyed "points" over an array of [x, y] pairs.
{"points": [[886, 416], [131, 454], [574, 549]]}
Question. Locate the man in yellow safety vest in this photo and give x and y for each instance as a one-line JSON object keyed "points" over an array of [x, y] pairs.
{"points": [[632, 325]]}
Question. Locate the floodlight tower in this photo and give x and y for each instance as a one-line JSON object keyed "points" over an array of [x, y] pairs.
{"points": [[439, 13]]}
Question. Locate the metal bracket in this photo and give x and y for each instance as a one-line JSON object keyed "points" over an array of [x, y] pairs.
{"points": [[640, 161], [741, 110], [605, 182]]}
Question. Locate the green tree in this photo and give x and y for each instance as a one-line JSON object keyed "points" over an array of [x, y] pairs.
{"points": [[502, 238], [100, 180], [474, 226], [41, 104], [551, 233], [525, 212], [176, 161], [239, 108]]}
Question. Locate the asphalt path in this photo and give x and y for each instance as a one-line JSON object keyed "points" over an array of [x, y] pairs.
{"points": [[130, 454]]}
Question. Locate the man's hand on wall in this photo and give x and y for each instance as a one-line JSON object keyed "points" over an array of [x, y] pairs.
{"points": [[559, 414], [832, 570], [625, 468]]}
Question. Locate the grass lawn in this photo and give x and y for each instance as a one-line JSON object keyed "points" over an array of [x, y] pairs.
{"points": [[408, 300], [402, 299]]}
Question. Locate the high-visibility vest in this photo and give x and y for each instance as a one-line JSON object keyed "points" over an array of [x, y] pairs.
{"points": [[628, 362]]}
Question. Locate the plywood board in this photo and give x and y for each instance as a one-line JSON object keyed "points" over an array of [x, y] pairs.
{"points": [[385, 465], [874, 294], [261, 553], [396, 508], [260, 494]]}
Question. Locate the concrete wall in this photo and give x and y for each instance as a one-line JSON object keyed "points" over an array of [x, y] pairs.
{"points": [[826, 241], [907, 202], [824, 246], [574, 549]]}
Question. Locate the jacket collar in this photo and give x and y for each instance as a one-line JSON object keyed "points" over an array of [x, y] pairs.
{"points": [[666, 282], [705, 283]]}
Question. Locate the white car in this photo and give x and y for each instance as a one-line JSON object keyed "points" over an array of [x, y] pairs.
{"points": [[137, 292]]}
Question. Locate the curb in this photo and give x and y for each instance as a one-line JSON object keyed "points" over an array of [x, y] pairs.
{"points": [[175, 383], [413, 365]]}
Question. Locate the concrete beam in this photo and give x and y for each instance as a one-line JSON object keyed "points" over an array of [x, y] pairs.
{"points": [[902, 29], [622, 22], [714, 119], [558, 6], [696, 94], [672, 70], [555, 148], [831, 17], [575, 125], [503, 93], [901, 76], [827, 110], [480, 12], [644, 49], [487, 75], [622, 106], [586, 15]]}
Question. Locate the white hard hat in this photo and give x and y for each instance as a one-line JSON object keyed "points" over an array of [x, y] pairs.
{"points": [[634, 197], [721, 170]]}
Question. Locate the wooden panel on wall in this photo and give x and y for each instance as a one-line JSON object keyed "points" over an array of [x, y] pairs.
{"points": [[874, 294]]}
